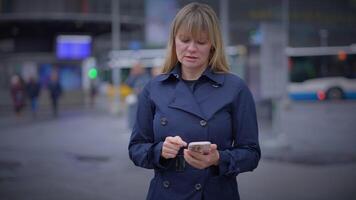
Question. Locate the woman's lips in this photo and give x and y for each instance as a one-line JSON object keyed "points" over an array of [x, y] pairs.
{"points": [[191, 58]]}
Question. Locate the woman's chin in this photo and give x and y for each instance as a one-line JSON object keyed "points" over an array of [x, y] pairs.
{"points": [[189, 64]]}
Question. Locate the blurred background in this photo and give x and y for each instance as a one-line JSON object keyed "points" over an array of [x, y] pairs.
{"points": [[70, 72]]}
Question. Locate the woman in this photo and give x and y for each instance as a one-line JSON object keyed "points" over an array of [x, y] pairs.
{"points": [[136, 80], [195, 99], [18, 94]]}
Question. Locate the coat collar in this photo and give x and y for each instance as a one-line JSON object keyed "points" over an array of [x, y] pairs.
{"points": [[208, 73], [184, 99]]}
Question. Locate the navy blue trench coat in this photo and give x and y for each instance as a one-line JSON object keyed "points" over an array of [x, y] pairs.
{"points": [[220, 109]]}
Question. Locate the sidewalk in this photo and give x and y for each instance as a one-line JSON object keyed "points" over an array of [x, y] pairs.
{"points": [[66, 108], [312, 134], [82, 155], [282, 147], [9, 119]]}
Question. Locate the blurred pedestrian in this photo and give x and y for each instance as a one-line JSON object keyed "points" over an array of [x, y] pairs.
{"points": [[93, 91], [33, 92], [155, 71], [195, 99], [136, 80], [55, 91], [18, 94]]}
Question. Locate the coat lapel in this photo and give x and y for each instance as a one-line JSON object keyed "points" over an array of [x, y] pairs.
{"points": [[212, 96], [184, 99], [212, 99]]}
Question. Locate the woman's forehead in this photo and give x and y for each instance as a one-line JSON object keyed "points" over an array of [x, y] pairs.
{"points": [[194, 34]]}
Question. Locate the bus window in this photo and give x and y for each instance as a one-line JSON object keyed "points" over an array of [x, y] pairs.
{"points": [[322, 74]]}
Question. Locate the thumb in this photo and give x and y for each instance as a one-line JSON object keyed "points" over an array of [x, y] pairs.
{"points": [[213, 146]]}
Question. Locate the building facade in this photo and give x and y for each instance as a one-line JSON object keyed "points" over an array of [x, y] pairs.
{"points": [[30, 29]]}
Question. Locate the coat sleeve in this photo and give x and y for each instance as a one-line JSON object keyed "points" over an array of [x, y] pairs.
{"points": [[245, 153], [143, 150]]}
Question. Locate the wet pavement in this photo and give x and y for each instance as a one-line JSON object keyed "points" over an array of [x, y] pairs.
{"points": [[82, 154], [312, 133]]}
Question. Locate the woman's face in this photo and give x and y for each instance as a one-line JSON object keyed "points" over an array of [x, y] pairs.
{"points": [[192, 52]]}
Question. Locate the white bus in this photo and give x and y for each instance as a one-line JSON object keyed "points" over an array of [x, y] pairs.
{"points": [[322, 73]]}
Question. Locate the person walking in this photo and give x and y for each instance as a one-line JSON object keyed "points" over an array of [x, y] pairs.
{"points": [[195, 99], [18, 94], [93, 92], [33, 92], [136, 80], [55, 91]]}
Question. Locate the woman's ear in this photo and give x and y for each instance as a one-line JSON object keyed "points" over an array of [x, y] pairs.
{"points": [[212, 51]]}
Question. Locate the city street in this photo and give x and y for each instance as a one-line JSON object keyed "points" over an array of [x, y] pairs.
{"points": [[71, 72], [82, 155]]}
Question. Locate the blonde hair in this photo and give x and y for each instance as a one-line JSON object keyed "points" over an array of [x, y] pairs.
{"points": [[195, 18]]}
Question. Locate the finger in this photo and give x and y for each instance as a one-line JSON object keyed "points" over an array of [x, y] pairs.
{"points": [[204, 159], [170, 151], [172, 140], [196, 155], [192, 161], [183, 143], [178, 140], [170, 143], [214, 146], [168, 138], [168, 155], [189, 158], [171, 146]]}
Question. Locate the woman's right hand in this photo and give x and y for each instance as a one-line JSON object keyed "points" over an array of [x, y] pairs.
{"points": [[171, 146]]}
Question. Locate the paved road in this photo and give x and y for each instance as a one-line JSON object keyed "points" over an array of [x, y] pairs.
{"points": [[315, 132], [82, 155]]}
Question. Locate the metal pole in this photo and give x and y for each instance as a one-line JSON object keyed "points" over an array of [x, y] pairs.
{"points": [[323, 33], [285, 24], [285, 20], [280, 102], [224, 17], [115, 40], [115, 24]]}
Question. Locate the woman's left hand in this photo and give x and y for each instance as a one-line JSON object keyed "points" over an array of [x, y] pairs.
{"points": [[202, 161]]}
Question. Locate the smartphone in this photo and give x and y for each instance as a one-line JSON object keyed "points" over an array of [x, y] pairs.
{"points": [[201, 147]]}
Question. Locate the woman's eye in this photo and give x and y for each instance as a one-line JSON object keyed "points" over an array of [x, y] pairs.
{"points": [[184, 40], [201, 42]]}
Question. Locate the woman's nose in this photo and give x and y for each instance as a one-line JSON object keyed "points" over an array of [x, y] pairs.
{"points": [[192, 46]]}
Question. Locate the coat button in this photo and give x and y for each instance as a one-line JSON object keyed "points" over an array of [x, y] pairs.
{"points": [[177, 76], [203, 123], [166, 184], [164, 121], [197, 186], [215, 85]]}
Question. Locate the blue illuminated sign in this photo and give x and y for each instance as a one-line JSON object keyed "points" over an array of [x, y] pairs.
{"points": [[73, 46]]}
